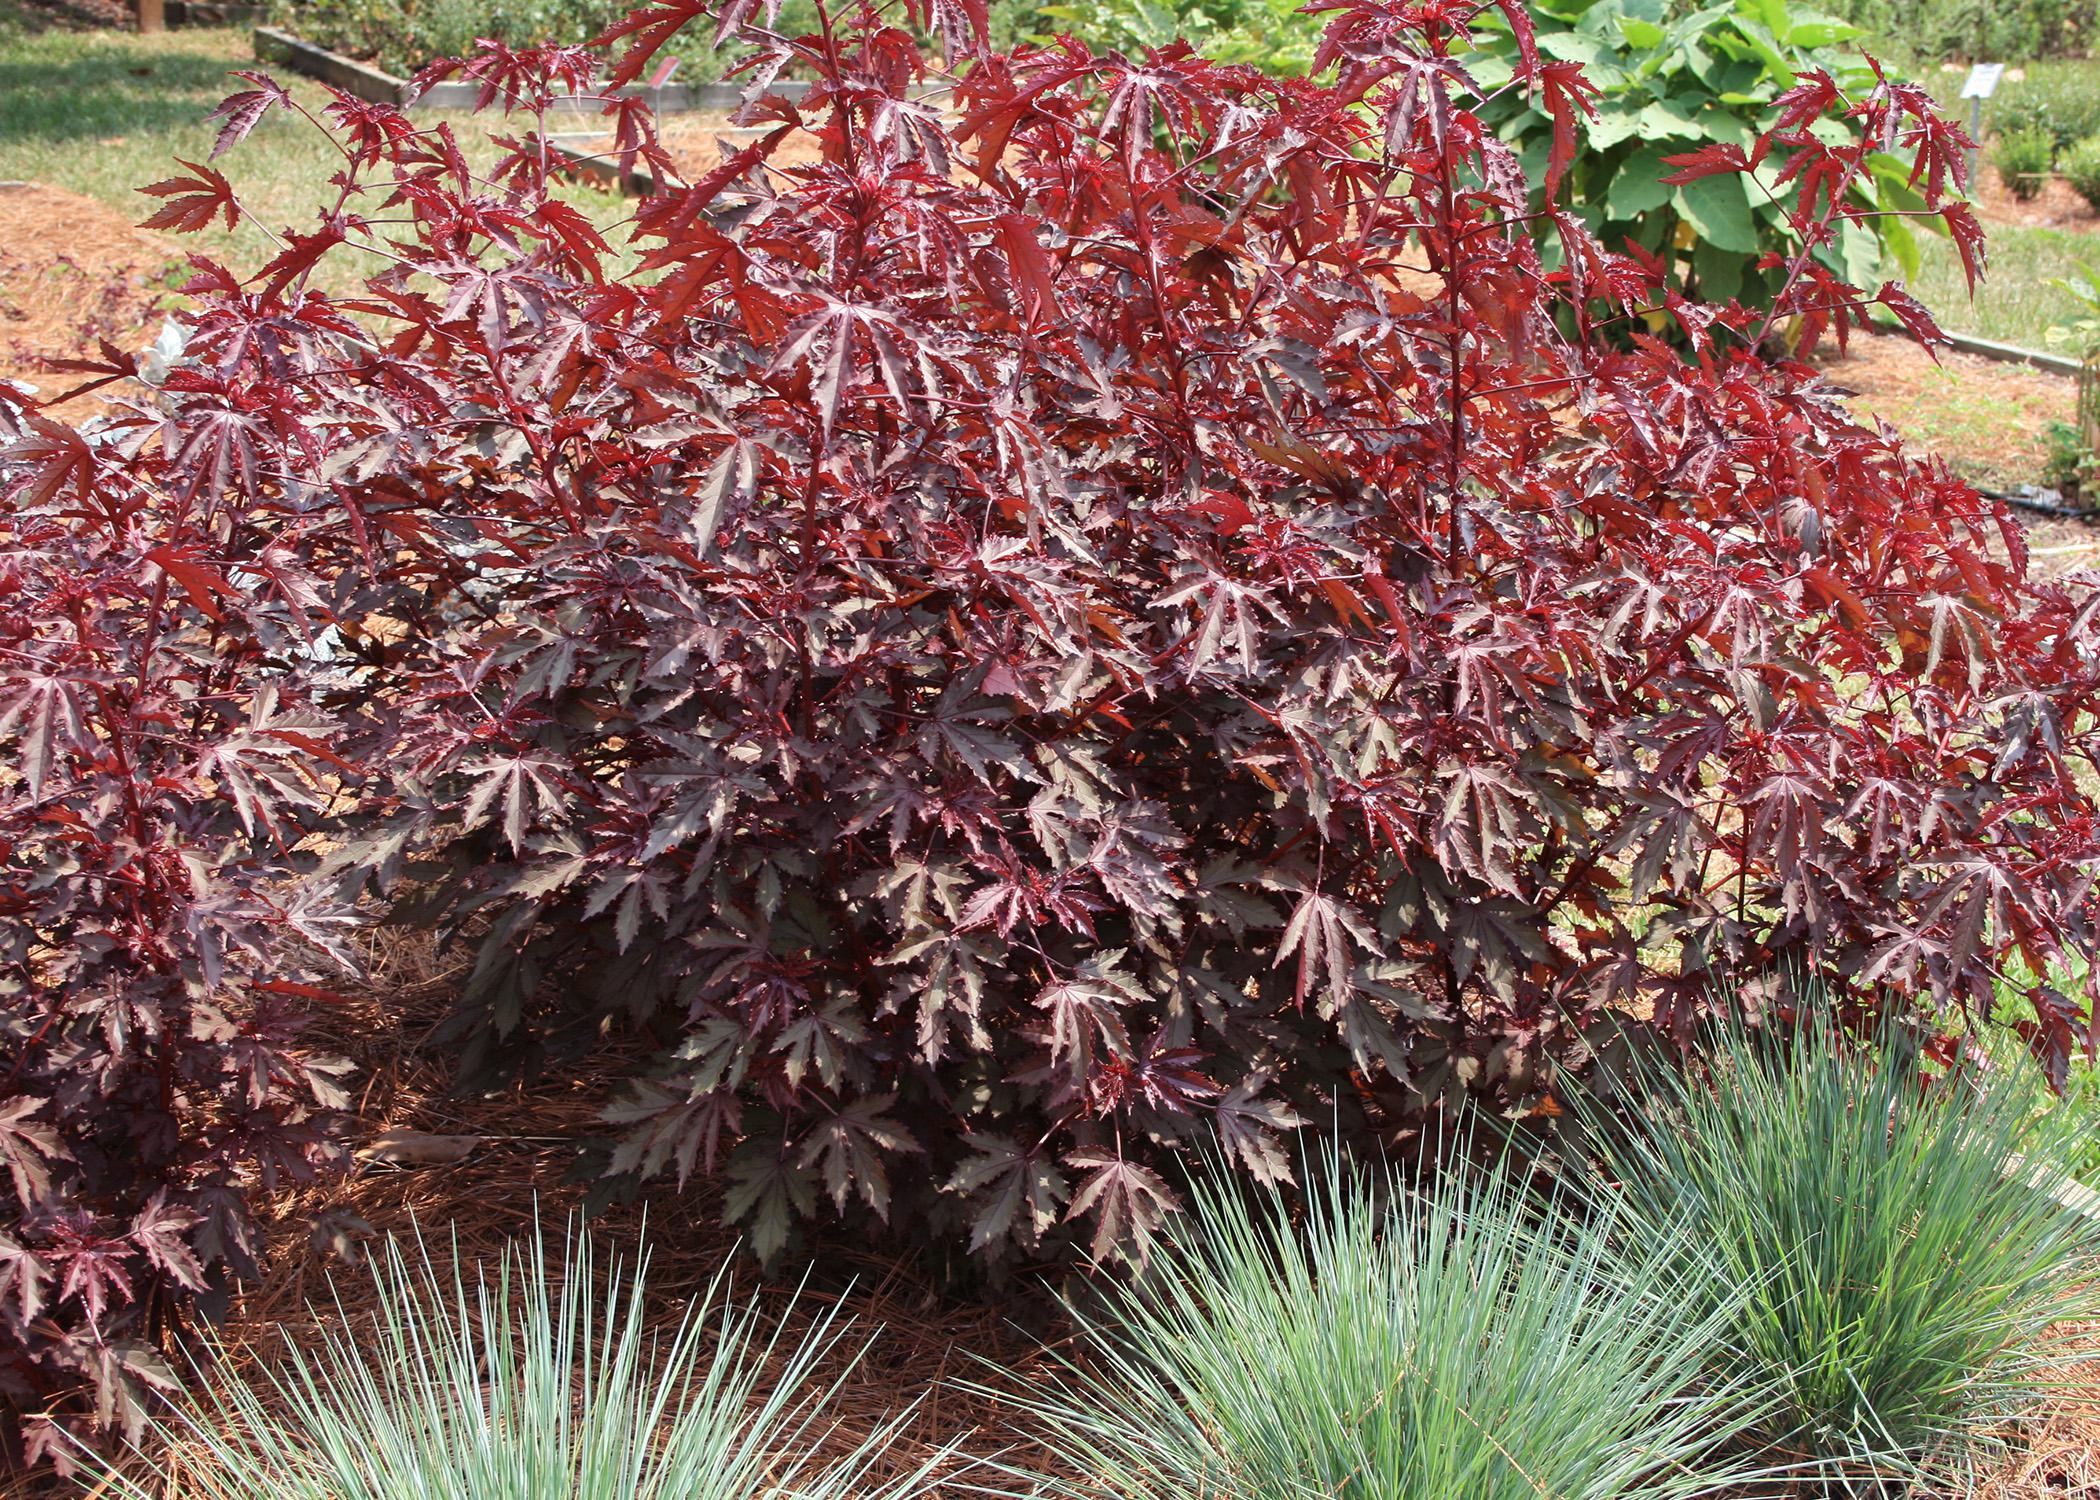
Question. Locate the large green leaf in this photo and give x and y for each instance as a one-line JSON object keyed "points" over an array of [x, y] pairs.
{"points": [[1771, 14], [1861, 256], [1719, 210], [1766, 47], [1572, 46], [1719, 271], [1669, 117], [1903, 245], [1638, 186], [1820, 33], [1614, 123], [1641, 33], [1489, 71]]}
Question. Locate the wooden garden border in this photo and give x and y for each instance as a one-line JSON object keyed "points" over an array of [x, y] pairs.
{"points": [[603, 168], [2013, 354], [367, 82], [215, 13]]}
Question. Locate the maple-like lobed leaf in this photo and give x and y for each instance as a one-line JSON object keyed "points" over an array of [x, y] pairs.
{"points": [[244, 110], [192, 202]]}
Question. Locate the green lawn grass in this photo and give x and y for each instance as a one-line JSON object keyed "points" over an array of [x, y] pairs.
{"points": [[2019, 300], [2081, 1090], [102, 113]]}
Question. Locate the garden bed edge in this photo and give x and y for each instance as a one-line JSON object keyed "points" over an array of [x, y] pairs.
{"points": [[276, 45]]}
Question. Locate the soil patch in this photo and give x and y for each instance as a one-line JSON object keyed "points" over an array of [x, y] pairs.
{"points": [[73, 271], [2056, 205], [697, 142], [1989, 420]]}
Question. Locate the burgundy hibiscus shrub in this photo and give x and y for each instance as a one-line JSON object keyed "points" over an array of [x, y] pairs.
{"points": [[1120, 606], [156, 951]]}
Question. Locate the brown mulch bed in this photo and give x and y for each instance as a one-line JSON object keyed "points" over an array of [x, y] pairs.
{"points": [[72, 271], [2055, 205], [696, 142], [2060, 1459]]}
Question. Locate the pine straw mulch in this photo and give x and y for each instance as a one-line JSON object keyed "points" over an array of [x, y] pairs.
{"points": [[2055, 204], [73, 271], [2060, 1457]]}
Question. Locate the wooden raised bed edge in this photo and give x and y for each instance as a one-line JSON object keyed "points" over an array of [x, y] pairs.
{"points": [[215, 13], [367, 82], [603, 168], [2013, 354]]}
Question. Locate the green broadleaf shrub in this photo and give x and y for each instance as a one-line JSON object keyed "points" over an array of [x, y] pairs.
{"points": [[537, 1380], [1990, 30], [2081, 168], [1276, 36], [2022, 158], [1669, 84], [2057, 97], [1878, 1231], [1401, 1343]]}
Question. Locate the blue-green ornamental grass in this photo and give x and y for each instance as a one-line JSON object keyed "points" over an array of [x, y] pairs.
{"points": [[536, 1381], [1395, 1344], [1879, 1241]]}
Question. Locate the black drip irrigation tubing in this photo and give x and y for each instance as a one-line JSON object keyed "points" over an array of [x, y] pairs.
{"points": [[2043, 503]]}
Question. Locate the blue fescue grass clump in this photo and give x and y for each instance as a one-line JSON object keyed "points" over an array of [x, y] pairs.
{"points": [[1880, 1246], [1397, 1343], [534, 1380]]}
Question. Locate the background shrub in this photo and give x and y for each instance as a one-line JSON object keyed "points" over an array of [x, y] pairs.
{"points": [[2058, 99], [2014, 31], [402, 36], [2023, 158], [1669, 85], [1905, 1274], [1402, 1342], [2081, 168], [1276, 36]]}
